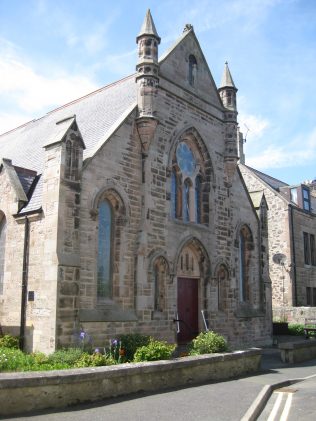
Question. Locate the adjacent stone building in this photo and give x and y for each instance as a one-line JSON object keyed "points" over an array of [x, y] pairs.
{"points": [[292, 230], [125, 211]]}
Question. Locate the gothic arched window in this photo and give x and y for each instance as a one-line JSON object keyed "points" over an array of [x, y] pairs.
{"points": [[245, 248], [174, 198], [198, 198], [186, 200], [104, 267], [222, 277], [192, 70], [160, 281], [186, 184], [3, 227], [72, 160]]}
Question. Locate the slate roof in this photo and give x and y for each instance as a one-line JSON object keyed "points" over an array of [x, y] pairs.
{"points": [[96, 115], [271, 181], [26, 178], [35, 203]]}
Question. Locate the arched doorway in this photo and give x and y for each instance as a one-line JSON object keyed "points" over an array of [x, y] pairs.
{"points": [[190, 271]]}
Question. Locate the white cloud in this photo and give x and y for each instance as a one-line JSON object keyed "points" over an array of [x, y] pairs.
{"points": [[252, 126], [209, 14], [9, 121], [121, 64], [290, 155], [89, 38], [31, 92]]}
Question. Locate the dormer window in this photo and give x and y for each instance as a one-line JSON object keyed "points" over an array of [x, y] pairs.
{"points": [[300, 195], [294, 195], [192, 70], [306, 199]]}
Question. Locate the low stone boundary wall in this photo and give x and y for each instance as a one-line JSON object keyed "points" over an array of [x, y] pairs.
{"points": [[24, 392], [295, 352]]}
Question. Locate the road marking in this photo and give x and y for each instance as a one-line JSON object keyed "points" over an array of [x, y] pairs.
{"points": [[287, 407], [276, 407]]}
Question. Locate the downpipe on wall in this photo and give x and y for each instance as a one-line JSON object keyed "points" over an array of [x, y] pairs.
{"points": [[24, 281]]}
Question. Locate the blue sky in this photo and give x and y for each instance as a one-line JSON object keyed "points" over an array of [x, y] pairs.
{"points": [[53, 51]]}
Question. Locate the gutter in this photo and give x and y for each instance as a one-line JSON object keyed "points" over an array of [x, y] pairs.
{"points": [[24, 281], [293, 254]]}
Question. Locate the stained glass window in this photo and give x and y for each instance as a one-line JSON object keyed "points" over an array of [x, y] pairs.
{"points": [[2, 250], [174, 194], [104, 249], [242, 264], [198, 186], [186, 201], [185, 159], [245, 247]]}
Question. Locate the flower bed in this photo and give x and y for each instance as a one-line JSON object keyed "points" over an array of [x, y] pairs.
{"points": [[24, 392]]}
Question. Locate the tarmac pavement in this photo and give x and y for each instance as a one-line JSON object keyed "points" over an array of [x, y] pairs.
{"points": [[237, 399]]}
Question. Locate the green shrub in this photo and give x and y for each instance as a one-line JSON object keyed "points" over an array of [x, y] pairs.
{"points": [[14, 360], [9, 341], [208, 343], [94, 360], [296, 329], [130, 343], [67, 356], [154, 351]]}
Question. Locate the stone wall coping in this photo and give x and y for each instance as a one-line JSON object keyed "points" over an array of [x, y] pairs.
{"points": [[304, 343], [29, 391], [42, 378]]}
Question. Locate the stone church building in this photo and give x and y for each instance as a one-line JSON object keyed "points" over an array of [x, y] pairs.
{"points": [[292, 244], [125, 211]]}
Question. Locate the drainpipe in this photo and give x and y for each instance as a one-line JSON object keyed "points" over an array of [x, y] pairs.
{"points": [[24, 281], [293, 255]]}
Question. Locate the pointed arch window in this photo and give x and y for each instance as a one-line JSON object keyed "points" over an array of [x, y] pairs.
{"points": [[104, 267], [192, 70], [198, 199], [174, 196], [160, 281], [186, 200], [3, 228], [186, 196], [245, 249], [222, 277], [72, 160]]}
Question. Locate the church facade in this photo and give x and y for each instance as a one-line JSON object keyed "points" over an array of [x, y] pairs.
{"points": [[124, 211]]}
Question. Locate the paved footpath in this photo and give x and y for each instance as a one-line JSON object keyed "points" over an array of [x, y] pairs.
{"points": [[222, 401]]}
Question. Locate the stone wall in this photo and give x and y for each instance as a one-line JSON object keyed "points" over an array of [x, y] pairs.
{"points": [[10, 300], [25, 392], [279, 239], [305, 274], [294, 314], [289, 281]]}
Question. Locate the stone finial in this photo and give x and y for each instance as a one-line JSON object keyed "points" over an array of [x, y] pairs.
{"points": [[188, 27]]}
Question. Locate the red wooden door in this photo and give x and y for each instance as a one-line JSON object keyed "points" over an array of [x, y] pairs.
{"points": [[187, 309]]}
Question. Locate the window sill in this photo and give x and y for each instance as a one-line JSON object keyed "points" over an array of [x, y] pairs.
{"points": [[107, 312], [188, 224], [245, 310]]}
